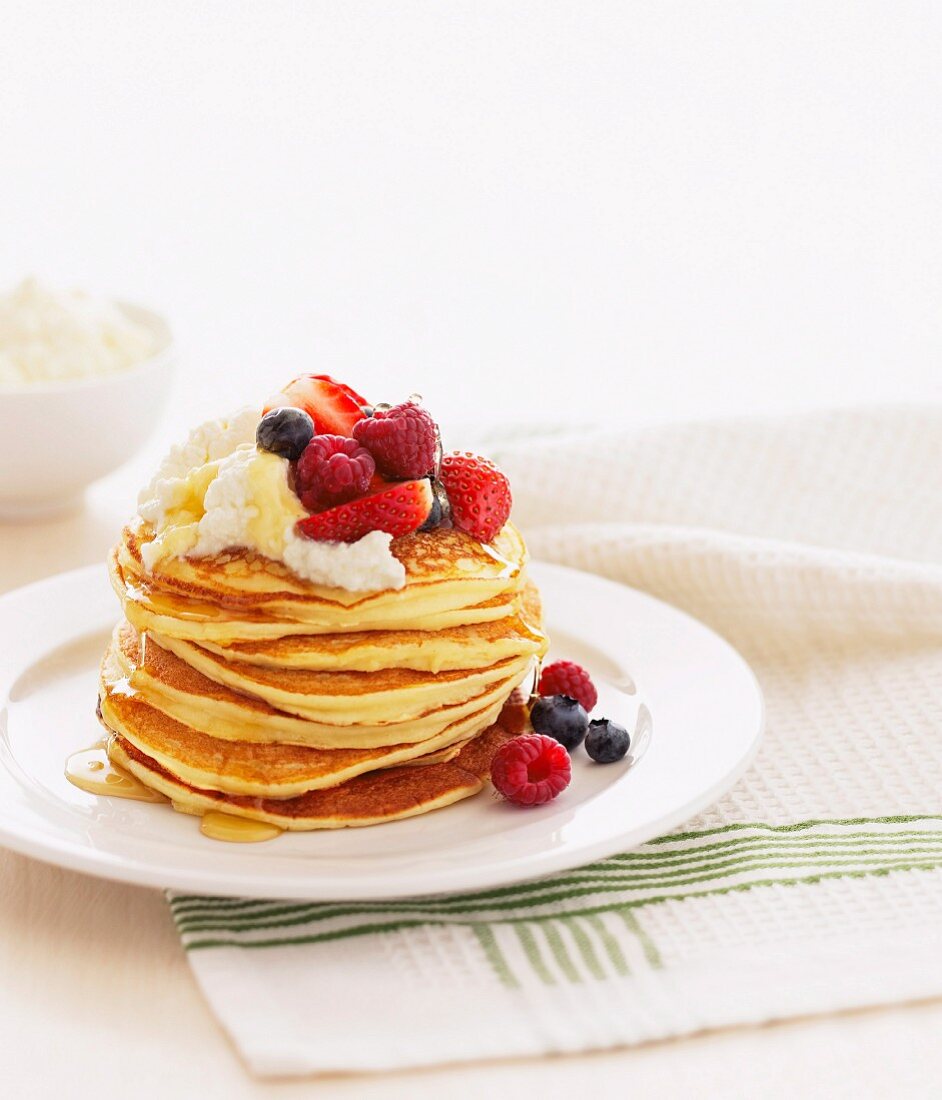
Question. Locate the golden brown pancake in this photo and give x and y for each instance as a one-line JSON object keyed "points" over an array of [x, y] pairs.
{"points": [[445, 560], [349, 698], [149, 607], [369, 799], [186, 695], [458, 647], [261, 770]]}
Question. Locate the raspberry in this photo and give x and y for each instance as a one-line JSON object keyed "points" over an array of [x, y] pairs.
{"points": [[332, 469], [568, 678], [402, 439], [531, 769]]}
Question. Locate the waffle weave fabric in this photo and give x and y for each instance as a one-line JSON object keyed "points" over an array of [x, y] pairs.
{"points": [[813, 543]]}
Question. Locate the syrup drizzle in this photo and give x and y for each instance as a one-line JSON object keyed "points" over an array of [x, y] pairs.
{"points": [[90, 770]]}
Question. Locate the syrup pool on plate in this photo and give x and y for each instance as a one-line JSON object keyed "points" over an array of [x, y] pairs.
{"points": [[90, 770], [240, 830]]}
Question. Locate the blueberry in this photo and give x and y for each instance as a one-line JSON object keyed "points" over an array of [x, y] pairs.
{"points": [[606, 741], [440, 514], [560, 717], [285, 432]]}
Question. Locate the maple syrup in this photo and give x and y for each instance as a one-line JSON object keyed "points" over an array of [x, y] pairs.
{"points": [[90, 770], [238, 830]]}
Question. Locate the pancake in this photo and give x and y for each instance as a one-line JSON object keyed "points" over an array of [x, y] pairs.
{"points": [[275, 771], [348, 698], [370, 799], [182, 693], [444, 568], [439, 757], [171, 615], [459, 647]]}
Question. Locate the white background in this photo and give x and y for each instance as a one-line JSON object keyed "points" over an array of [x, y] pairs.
{"points": [[588, 210], [540, 210]]}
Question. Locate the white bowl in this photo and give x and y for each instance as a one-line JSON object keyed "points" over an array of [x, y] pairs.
{"points": [[56, 438]]}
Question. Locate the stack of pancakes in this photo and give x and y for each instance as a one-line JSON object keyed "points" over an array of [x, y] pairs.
{"points": [[233, 685]]}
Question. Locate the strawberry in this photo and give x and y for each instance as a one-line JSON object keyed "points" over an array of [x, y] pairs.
{"points": [[397, 509], [479, 494], [333, 406]]}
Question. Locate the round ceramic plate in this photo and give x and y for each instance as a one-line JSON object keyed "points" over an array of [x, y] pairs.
{"points": [[690, 701]]}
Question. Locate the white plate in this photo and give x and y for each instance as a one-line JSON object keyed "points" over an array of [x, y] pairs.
{"points": [[704, 705]]}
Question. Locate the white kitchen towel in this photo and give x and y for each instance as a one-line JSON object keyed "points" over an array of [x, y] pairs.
{"points": [[814, 544]]}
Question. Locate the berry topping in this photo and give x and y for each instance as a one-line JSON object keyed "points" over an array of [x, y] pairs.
{"points": [[568, 678], [479, 494], [333, 406], [560, 717], [332, 470], [398, 510], [606, 741], [285, 432], [440, 514], [402, 439], [530, 770]]}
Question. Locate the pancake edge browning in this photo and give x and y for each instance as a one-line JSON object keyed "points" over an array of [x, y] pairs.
{"points": [[210, 579], [228, 716], [372, 799], [470, 646], [240, 767], [339, 705], [193, 621]]}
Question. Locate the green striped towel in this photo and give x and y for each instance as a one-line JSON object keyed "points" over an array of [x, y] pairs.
{"points": [[814, 544]]}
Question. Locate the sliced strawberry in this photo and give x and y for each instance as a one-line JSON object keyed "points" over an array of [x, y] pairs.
{"points": [[398, 509], [333, 406], [479, 494]]}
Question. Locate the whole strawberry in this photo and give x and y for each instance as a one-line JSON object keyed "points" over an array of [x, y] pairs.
{"points": [[402, 439], [479, 494]]}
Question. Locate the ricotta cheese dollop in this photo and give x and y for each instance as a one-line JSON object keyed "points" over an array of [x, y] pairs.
{"points": [[54, 335], [217, 491]]}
